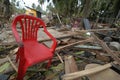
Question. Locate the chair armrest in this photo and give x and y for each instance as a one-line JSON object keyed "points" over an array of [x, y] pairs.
{"points": [[53, 39], [16, 35]]}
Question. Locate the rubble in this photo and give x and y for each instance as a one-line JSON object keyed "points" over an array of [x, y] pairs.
{"points": [[75, 51]]}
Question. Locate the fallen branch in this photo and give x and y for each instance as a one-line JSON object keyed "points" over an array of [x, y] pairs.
{"points": [[59, 48], [82, 41], [60, 58], [14, 67]]}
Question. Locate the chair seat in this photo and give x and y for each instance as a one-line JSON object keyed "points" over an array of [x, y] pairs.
{"points": [[35, 52]]}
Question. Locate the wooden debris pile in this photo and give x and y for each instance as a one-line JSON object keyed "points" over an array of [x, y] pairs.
{"points": [[78, 57]]}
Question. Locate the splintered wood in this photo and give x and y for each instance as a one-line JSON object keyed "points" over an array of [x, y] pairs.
{"points": [[106, 48], [70, 65], [111, 74], [82, 41], [71, 75], [86, 72]]}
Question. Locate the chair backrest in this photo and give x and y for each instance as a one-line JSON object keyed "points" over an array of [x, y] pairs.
{"points": [[29, 26]]}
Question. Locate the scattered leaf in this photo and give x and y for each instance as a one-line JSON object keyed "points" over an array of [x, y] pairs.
{"points": [[4, 66]]}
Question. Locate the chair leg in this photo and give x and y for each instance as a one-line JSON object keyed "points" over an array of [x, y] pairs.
{"points": [[49, 63], [17, 56], [20, 50], [21, 70]]}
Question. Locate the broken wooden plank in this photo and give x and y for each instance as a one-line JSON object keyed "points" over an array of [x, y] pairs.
{"points": [[82, 41], [88, 47], [61, 37], [86, 72], [106, 48], [70, 65], [70, 34], [96, 30], [111, 75]]}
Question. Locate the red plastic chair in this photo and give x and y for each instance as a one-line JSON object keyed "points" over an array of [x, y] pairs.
{"points": [[30, 51]]}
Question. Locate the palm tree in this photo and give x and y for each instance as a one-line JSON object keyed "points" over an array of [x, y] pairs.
{"points": [[85, 8], [33, 6]]}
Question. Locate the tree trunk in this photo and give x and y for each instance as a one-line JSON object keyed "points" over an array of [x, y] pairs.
{"points": [[86, 9]]}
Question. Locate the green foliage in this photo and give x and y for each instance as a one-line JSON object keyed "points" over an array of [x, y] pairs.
{"points": [[66, 8], [105, 8], [38, 8], [4, 66], [41, 1], [77, 8], [16, 7], [33, 6], [116, 7], [84, 8]]}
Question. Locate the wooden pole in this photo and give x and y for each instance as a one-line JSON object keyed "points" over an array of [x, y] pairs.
{"points": [[59, 18]]}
